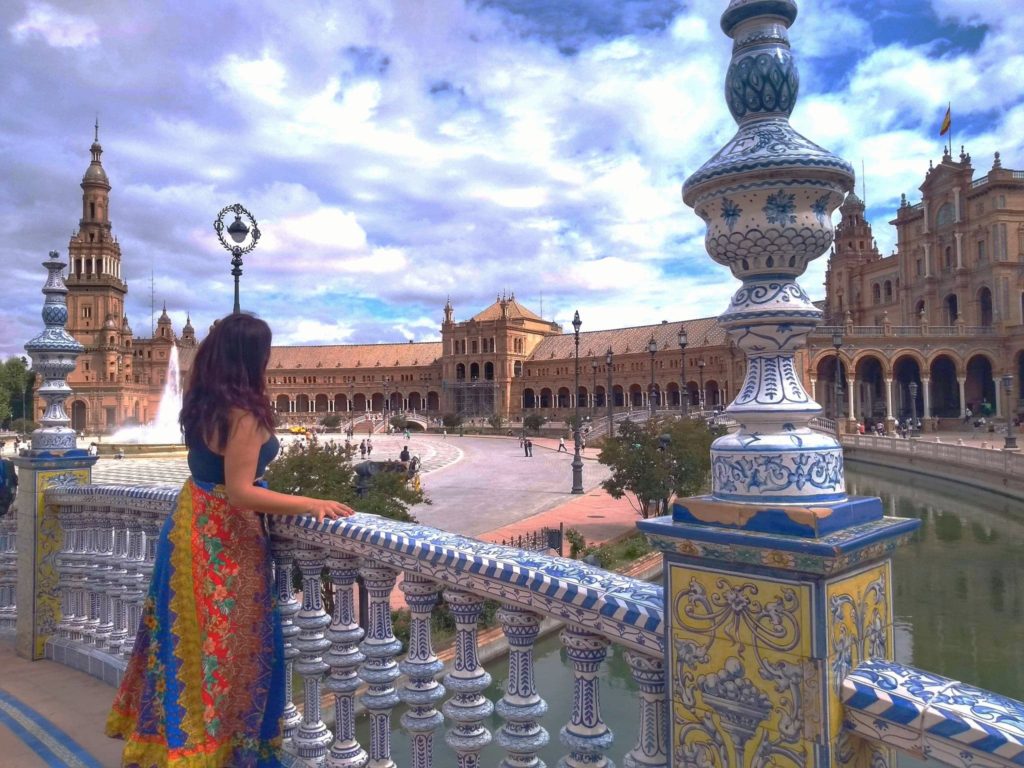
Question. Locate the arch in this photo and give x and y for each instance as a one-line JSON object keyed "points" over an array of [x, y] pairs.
{"points": [[918, 311], [712, 393], [672, 394], [599, 397], [320, 404], [341, 403], [529, 398], [283, 404], [474, 371], [951, 308], [869, 381], [636, 396], [359, 402], [302, 403], [887, 289], [906, 369], [945, 387], [460, 371], [433, 401], [985, 307], [618, 397], [980, 388], [376, 402], [517, 368], [415, 401], [79, 415], [545, 398], [828, 391], [563, 397], [489, 371], [583, 397]]}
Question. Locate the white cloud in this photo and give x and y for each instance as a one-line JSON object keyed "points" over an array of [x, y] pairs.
{"points": [[55, 27]]}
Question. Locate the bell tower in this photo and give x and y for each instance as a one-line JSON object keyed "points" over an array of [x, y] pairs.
{"points": [[96, 290]]}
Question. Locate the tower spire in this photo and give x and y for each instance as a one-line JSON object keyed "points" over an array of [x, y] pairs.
{"points": [[96, 132]]}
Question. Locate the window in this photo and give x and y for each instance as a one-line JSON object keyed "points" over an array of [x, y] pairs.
{"points": [[981, 251], [917, 268], [944, 216], [86, 312]]}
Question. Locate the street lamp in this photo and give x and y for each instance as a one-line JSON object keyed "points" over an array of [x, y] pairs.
{"points": [[608, 399], [577, 459], [387, 402], [837, 342], [237, 230], [684, 393], [593, 392], [700, 370], [652, 347], [913, 409], [1011, 440]]}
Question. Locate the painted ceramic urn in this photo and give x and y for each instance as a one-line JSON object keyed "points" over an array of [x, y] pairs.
{"points": [[767, 198]]}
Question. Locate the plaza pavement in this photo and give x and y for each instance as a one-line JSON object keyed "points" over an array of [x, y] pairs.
{"points": [[480, 486]]}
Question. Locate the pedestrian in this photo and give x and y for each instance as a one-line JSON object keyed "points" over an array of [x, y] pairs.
{"points": [[561, 446], [407, 435], [2, 444], [404, 455], [526, 447], [529, 447], [968, 413], [362, 448], [206, 680], [369, 446], [583, 445], [444, 434]]}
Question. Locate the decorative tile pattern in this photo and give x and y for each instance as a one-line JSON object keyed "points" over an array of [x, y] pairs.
{"points": [[933, 716]]}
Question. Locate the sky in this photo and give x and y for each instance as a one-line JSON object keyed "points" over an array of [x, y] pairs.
{"points": [[398, 152]]}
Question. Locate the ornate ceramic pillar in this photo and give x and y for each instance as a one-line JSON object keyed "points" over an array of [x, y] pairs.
{"points": [[283, 552], [54, 460], [586, 734], [421, 667], [467, 708], [521, 708], [651, 748], [777, 584], [312, 738], [380, 670], [344, 660]]}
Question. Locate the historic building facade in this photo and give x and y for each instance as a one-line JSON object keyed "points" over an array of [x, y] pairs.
{"points": [[945, 312]]}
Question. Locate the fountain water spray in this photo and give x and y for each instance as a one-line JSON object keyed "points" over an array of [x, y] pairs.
{"points": [[165, 429]]}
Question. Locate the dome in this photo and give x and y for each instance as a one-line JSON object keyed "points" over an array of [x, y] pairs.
{"points": [[95, 174]]}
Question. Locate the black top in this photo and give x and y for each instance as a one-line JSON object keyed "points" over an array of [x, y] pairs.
{"points": [[208, 467]]}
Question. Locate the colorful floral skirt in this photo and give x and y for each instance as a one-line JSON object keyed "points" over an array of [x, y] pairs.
{"points": [[205, 684]]}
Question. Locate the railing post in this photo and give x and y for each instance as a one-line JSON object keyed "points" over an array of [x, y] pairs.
{"points": [[136, 582], [421, 666], [467, 681], [312, 737], [54, 460], [102, 574], [380, 670], [117, 584], [521, 707], [344, 660], [283, 553], [586, 735], [651, 748]]}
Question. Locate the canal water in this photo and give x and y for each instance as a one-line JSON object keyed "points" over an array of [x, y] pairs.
{"points": [[958, 595]]}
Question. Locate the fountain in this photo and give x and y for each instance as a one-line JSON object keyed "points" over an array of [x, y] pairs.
{"points": [[164, 433]]}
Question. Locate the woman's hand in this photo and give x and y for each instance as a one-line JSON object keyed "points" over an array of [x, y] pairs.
{"points": [[325, 509]]}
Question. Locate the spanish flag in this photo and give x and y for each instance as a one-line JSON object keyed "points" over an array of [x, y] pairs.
{"points": [[946, 121]]}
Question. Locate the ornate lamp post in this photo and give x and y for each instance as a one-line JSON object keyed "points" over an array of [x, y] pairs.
{"points": [[913, 409], [608, 399], [238, 230], [684, 393], [577, 459], [700, 395], [387, 402], [593, 392], [1011, 440], [837, 342], [652, 347]]}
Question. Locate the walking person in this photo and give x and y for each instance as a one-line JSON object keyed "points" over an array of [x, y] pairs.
{"points": [[561, 446], [369, 446], [529, 447], [206, 680], [362, 448]]}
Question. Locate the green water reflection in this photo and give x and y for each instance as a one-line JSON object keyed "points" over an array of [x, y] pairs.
{"points": [[958, 594]]}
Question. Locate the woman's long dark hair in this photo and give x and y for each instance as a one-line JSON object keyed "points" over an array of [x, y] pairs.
{"points": [[229, 371]]}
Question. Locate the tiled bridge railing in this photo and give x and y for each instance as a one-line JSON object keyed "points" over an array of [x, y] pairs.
{"points": [[107, 555], [107, 558]]}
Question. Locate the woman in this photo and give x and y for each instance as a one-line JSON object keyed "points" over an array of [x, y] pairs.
{"points": [[205, 684]]}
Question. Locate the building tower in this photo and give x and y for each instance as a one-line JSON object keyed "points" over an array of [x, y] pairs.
{"points": [[854, 247]]}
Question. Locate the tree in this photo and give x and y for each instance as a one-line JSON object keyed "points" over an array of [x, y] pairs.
{"points": [[331, 421], [399, 422], [15, 389], [654, 459], [534, 421], [496, 421], [452, 420], [324, 470]]}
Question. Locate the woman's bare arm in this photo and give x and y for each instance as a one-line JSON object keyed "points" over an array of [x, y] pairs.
{"points": [[241, 456]]}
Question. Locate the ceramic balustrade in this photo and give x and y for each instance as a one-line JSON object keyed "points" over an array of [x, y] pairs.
{"points": [[8, 572]]}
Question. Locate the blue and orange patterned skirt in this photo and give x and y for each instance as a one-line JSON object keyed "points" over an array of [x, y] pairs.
{"points": [[205, 684]]}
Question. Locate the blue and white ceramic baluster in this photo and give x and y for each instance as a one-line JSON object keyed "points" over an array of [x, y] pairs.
{"points": [[312, 738], [90, 570], [521, 736], [65, 571], [283, 552], [78, 566], [421, 667], [103, 573], [135, 581], [587, 736], [651, 748], [8, 573], [467, 708], [380, 670], [116, 589], [344, 659]]}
